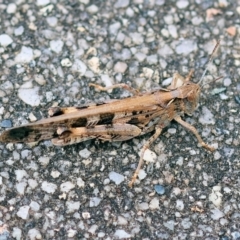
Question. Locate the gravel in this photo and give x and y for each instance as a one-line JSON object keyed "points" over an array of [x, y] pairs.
{"points": [[50, 52]]}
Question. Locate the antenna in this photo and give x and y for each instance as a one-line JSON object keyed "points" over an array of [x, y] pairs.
{"points": [[209, 61], [214, 80]]}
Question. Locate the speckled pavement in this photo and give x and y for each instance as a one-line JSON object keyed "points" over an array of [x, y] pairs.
{"points": [[49, 53]]}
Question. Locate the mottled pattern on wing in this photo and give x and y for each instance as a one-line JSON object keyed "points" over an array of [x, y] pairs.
{"points": [[139, 111]]}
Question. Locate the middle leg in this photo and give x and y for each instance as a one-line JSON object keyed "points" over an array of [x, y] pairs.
{"points": [[158, 131]]}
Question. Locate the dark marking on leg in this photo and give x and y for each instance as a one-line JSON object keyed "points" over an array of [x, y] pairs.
{"points": [[106, 118], [81, 107], [133, 121], [80, 122]]}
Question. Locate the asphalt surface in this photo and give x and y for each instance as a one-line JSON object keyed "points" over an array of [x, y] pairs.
{"points": [[49, 53]]}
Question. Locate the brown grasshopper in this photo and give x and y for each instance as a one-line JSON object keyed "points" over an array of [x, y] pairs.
{"points": [[118, 120]]}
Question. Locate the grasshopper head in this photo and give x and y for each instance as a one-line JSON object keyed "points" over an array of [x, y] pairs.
{"points": [[192, 97]]}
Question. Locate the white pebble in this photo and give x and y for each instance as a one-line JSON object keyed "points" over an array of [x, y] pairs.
{"points": [[25, 55], [42, 2], [173, 31], [142, 174], [23, 212], [44, 161], [172, 130], [147, 72], [137, 38], [223, 3], [197, 20], [167, 81], [93, 229], [176, 191], [32, 117], [80, 183], [56, 45], [17, 233], [84, 1], [223, 96], [192, 152], [92, 9], [168, 19], [79, 66], [20, 70], [10, 146], [85, 153], [34, 206], [34, 234], [48, 187], [36, 53], [143, 206], [94, 201], [25, 153], [140, 57], [216, 214], [71, 233], [181, 4], [106, 181], [5, 40], [11, 8], [206, 117], [218, 90], [165, 51], [179, 205], [55, 174], [86, 215], [20, 174], [1, 110], [116, 177], [44, 11], [108, 81], [101, 234], [154, 203], [149, 156], [165, 32], [94, 64], [122, 221], [227, 82], [227, 190], [32, 183], [113, 28], [126, 54], [216, 196], [160, 2], [49, 96], [21, 187], [169, 224], [121, 4], [66, 186], [152, 59], [120, 67], [185, 47], [121, 234], [30, 96], [52, 21], [27, 85], [66, 62], [72, 206]]}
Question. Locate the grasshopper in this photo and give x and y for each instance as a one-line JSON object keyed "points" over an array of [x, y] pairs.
{"points": [[118, 120]]}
